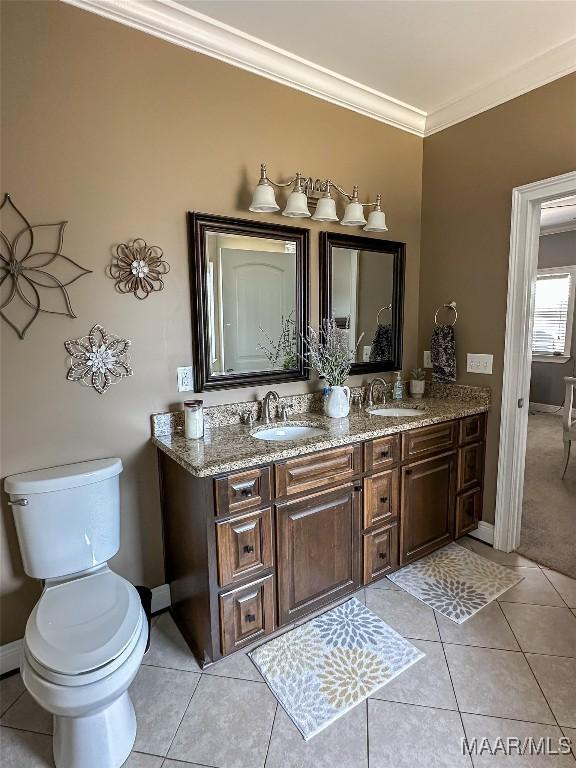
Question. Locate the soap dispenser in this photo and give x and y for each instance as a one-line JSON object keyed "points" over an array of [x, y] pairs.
{"points": [[398, 389]]}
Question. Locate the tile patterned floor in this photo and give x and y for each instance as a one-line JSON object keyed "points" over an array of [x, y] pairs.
{"points": [[508, 671]]}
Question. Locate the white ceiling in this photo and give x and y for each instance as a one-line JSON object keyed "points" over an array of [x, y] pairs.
{"points": [[426, 54], [559, 215], [420, 65]]}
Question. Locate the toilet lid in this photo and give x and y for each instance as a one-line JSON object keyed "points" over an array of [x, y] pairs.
{"points": [[80, 625]]}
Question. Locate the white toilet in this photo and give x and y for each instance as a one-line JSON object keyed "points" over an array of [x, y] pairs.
{"points": [[87, 634]]}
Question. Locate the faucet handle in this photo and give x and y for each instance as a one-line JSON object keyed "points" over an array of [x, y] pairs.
{"points": [[283, 412], [248, 418]]}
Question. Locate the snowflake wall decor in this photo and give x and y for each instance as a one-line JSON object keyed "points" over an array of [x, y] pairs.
{"points": [[138, 268], [31, 260], [99, 359]]}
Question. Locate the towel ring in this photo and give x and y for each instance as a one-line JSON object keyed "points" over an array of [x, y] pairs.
{"points": [[452, 306], [389, 307]]}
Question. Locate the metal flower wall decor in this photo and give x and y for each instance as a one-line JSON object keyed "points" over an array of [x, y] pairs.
{"points": [[34, 273], [138, 268], [99, 359]]}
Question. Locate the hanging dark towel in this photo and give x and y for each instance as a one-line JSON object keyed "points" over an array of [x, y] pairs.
{"points": [[382, 345], [443, 353]]}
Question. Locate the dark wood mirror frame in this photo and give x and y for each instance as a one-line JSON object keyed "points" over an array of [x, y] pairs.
{"points": [[329, 240], [198, 225]]}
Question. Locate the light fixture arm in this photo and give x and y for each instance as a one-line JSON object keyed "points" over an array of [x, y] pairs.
{"points": [[309, 185]]}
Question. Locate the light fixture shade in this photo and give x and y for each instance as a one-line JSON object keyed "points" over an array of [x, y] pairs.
{"points": [[353, 215], [376, 222], [325, 210], [264, 200], [296, 206]]}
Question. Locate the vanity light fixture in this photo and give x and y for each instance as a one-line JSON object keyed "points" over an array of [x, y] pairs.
{"points": [[305, 190]]}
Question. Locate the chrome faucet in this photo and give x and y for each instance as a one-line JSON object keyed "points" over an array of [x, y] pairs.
{"points": [[266, 417], [371, 385]]}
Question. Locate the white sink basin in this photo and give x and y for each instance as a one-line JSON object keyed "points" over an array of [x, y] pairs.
{"points": [[398, 412], [287, 432]]}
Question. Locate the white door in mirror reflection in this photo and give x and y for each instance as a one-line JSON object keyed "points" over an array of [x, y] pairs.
{"points": [[257, 293]]}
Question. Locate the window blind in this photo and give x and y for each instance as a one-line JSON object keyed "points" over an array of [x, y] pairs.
{"points": [[551, 313]]}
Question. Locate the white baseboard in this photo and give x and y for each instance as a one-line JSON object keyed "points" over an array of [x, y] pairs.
{"points": [[10, 652], [484, 532], [545, 408]]}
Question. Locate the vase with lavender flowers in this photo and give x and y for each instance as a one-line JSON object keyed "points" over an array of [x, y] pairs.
{"points": [[329, 353]]}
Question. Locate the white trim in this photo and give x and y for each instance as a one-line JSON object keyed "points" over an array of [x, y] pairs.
{"points": [[176, 23], [546, 408], [523, 263], [570, 227], [161, 598], [10, 656], [571, 271], [484, 532], [183, 26], [10, 652], [554, 359], [549, 66]]}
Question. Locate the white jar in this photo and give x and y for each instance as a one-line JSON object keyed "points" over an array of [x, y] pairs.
{"points": [[193, 419]]}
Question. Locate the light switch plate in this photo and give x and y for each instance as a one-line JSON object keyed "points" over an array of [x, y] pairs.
{"points": [[427, 359], [184, 379], [479, 363]]}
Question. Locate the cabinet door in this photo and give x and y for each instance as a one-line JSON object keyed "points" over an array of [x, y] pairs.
{"points": [[318, 550], [381, 498], [468, 508], [380, 553], [428, 506], [470, 466]]}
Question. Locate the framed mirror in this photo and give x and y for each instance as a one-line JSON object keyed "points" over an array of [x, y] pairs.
{"points": [[362, 287], [249, 297]]}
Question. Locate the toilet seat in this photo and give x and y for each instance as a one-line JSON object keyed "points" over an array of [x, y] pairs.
{"points": [[79, 627]]}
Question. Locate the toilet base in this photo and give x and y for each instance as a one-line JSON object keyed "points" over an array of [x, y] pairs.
{"points": [[100, 740]]}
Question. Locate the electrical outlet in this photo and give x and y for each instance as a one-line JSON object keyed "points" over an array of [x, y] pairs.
{"points": [[427, 359], [184, 379], [479, 363]]}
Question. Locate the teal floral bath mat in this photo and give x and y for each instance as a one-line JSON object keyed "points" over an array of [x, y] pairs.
{"points": [[455, 581], [322, 669]]}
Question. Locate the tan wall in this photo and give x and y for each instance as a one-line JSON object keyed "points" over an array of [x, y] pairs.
{"points": [[121, 134], [469, 172]]}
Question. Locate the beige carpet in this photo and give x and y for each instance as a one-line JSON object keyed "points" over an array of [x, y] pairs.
{"points": [[548, 533]]}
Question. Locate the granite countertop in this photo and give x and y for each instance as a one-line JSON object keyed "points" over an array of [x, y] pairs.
{"points": [[231, 447]]}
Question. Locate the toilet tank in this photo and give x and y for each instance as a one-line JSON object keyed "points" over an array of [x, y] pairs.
{"points": [[67, 518]]}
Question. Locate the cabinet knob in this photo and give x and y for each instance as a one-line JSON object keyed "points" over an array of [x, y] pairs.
{"points": [[407, 471], [250, 617], [246, 491], [357, 487], [383, 499], [381, 555], [248, 548], [385, 454]]}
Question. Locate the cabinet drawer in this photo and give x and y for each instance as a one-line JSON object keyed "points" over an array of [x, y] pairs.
{"points": [[380, 553], [472, 428], [242, 490], [244, 546], [426, 441], [246, 614], [381, 453], [317, 470], [381, 498], [468, 510], [470, 465]]}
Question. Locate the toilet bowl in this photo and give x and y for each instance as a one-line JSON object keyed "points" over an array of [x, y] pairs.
{"points": [[86, 636]]}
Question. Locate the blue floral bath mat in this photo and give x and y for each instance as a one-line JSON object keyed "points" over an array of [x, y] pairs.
{"points": [[322, 669], [455, 581]]}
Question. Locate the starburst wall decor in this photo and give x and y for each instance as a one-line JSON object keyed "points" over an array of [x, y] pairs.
{"points": [[34, 273], [99, 359], [138, 268]]}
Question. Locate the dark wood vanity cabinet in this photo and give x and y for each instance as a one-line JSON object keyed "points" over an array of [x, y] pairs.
{"points": [[251, 551]]}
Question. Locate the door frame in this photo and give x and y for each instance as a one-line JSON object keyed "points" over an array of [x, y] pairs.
{"points": [[522, 266]]}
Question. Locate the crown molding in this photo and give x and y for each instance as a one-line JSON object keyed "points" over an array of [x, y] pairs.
{"points": [[188, 28], [543, 69]]}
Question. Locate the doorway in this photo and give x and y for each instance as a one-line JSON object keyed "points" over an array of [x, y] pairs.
{"points": [[527, 203]]}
